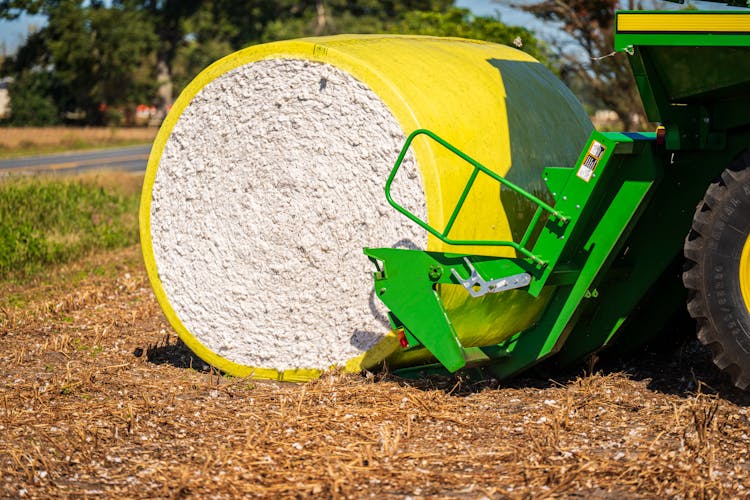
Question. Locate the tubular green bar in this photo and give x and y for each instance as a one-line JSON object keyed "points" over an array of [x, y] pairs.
{"points": [[468, 159], [532, 226], [478, 167], [460, 203]]}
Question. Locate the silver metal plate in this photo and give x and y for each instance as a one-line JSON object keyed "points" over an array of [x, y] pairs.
{"points": [[477, 286]]}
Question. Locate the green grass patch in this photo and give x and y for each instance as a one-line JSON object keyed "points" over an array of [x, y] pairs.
{"points": [[45, 221]]}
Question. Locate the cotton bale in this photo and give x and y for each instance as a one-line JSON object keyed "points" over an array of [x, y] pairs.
{"points": [[266, 180]]}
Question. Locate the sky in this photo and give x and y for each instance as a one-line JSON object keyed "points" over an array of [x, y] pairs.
{"points": [[13, 33], [493, 9]]}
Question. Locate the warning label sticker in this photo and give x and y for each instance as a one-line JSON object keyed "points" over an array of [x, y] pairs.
{"points": [[591, 160]]}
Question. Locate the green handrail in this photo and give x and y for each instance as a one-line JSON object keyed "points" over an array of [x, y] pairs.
{"points": [[478, 167]]}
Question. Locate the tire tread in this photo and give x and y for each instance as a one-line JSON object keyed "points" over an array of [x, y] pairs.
{"points": [[735, 364]]}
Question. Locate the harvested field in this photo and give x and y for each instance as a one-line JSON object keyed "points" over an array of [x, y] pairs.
{"points": [[98, 398], [21, 141]]}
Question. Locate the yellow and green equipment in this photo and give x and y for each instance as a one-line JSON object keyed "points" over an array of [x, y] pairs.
{"points": [[609, 247]]}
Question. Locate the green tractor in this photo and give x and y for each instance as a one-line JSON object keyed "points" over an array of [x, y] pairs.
{"points": [[606, 256]]}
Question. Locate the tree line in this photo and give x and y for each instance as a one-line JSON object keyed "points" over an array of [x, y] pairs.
{"points": [[94, 62]]}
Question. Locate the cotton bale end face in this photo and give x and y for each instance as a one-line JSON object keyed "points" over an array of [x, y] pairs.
{"points": [[265, 182]]}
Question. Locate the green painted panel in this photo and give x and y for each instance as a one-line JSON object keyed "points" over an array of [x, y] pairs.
{"points": [[702, 72]]}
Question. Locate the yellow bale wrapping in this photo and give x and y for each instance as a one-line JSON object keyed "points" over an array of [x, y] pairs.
{"points": [[496, 103]]}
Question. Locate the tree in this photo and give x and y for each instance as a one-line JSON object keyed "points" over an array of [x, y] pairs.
{"points": [[100, 55], [460, 23], [32, 102], [113, 52], [329, 17], [94, 55], [206, 40], [194, 33], [604, 76]]}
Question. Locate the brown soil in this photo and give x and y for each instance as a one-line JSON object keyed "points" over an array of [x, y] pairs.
{"points": [[98, 398]]}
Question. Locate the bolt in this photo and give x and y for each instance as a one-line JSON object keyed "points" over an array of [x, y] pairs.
{"points": [[588, 294], [381, 291], [435, 272]]}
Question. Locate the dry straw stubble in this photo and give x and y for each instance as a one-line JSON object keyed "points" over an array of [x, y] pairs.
{"points": [[98, 398]]}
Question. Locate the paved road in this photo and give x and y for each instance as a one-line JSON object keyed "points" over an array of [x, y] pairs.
{"points": [[129, 159]]}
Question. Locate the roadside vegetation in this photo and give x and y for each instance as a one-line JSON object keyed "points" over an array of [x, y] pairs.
{"points": [[52, 220]]}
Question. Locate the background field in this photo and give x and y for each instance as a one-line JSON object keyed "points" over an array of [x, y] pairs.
{"points": [[26, 141], [98, 397]]}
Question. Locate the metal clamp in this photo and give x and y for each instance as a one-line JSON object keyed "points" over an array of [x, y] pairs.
{"points": [[477, 286]]}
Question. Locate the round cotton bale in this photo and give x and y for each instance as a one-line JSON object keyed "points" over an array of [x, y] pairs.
{"points": [[266, 180]]}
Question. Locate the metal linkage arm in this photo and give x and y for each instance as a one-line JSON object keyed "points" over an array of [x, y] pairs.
{"points": [[406, 282]]}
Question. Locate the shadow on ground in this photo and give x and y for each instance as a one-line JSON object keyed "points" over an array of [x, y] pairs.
{"points": [[683, 371], [680, 366], [171, 351]]}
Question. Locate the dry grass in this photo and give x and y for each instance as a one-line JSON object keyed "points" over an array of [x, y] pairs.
{"points": [[97, 397], [21, 141], [12, 137]]}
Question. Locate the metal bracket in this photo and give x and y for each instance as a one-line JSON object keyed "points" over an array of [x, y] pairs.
{"points": [[478, 286]]}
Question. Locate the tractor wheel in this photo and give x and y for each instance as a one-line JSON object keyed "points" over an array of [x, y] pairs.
{"points": [[717, 274]]}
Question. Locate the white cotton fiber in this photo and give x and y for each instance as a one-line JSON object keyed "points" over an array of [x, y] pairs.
{"points": [[270, 184]]}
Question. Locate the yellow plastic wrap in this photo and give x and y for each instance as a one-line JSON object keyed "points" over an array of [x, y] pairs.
{"points": [[494, 102]]}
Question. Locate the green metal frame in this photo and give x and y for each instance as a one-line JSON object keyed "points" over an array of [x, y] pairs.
{"points": [[706, 127], [610, 247], [477, 168], [716, 64], [626, 40], [406, 280], [631, 177]]}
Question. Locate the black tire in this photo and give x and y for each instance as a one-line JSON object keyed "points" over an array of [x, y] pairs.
{"points": [[713, 247]]}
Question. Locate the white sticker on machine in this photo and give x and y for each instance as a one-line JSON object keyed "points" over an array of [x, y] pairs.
{"points": [[591, 160]]}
